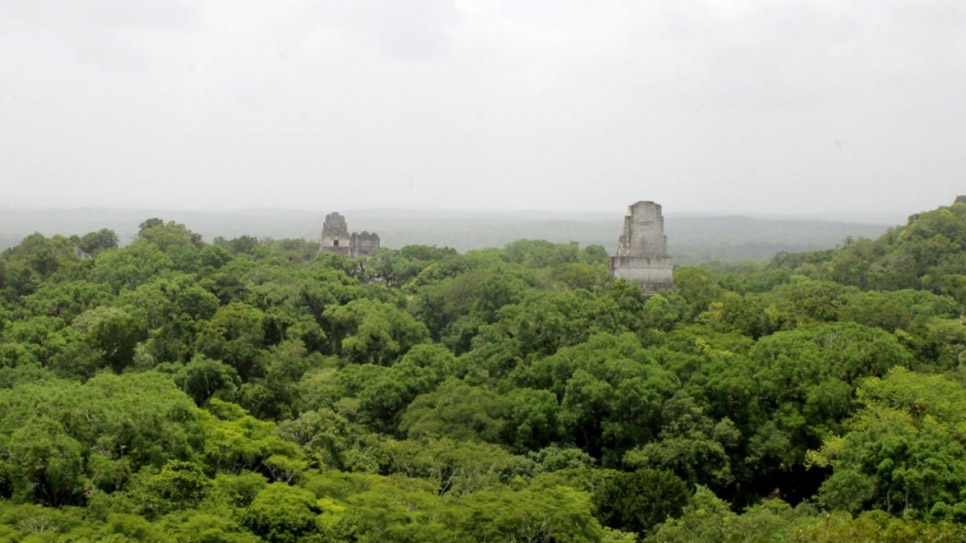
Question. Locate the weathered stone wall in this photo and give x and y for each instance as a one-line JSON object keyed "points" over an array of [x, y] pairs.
{"points": [[364, 244], [653, 274], [335, 235], [643, 231], [336, 238], [642, 249]]}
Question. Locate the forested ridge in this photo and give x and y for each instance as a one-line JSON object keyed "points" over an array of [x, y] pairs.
{"points": [[245, 390], [693, 238]]}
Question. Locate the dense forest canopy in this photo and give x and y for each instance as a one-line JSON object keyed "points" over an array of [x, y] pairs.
{"points": [[245, 390]]}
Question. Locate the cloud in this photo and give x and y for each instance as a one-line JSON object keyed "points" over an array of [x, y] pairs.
{"points": [[482, 103], [109, 33]]}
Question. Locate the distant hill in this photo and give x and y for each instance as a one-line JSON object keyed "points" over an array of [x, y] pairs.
{"points": [[690, 238], [927, 253]]}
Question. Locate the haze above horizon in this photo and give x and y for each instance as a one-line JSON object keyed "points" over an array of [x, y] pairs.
{"points": [[182, 213], [788, 108]]}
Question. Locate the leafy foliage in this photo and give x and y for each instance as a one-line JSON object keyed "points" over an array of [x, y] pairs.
{"points": [[247, 390]]}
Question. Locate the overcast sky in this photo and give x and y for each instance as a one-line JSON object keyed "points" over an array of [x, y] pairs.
{"points": [[785, 107]]}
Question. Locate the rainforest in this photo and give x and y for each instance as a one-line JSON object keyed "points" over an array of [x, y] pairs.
{"points": [[253, 389]]}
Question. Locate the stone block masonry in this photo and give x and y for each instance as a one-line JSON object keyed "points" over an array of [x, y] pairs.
{"points": [[642, 250], [336, 238]]}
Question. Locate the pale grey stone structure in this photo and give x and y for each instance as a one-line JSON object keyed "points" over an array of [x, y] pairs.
{"points": [[642, 250], [336, 238]]}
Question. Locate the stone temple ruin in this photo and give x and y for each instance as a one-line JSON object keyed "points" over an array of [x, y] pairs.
{"points": [[337, 240], [642, 250]]}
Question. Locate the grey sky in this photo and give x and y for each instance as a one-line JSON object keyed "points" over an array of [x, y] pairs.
{"points": [[788, 107]]}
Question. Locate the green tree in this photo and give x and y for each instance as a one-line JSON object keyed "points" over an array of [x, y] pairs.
{"points": [[95, 242], [690, 444], [112, 333], [610, 391], [202, 377], [235, 335], [903, 452], [455, 467], [282, 514], [549, 514], [131, 266], [370, 331], [455, 410], [639, 501], [177, 486]]}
